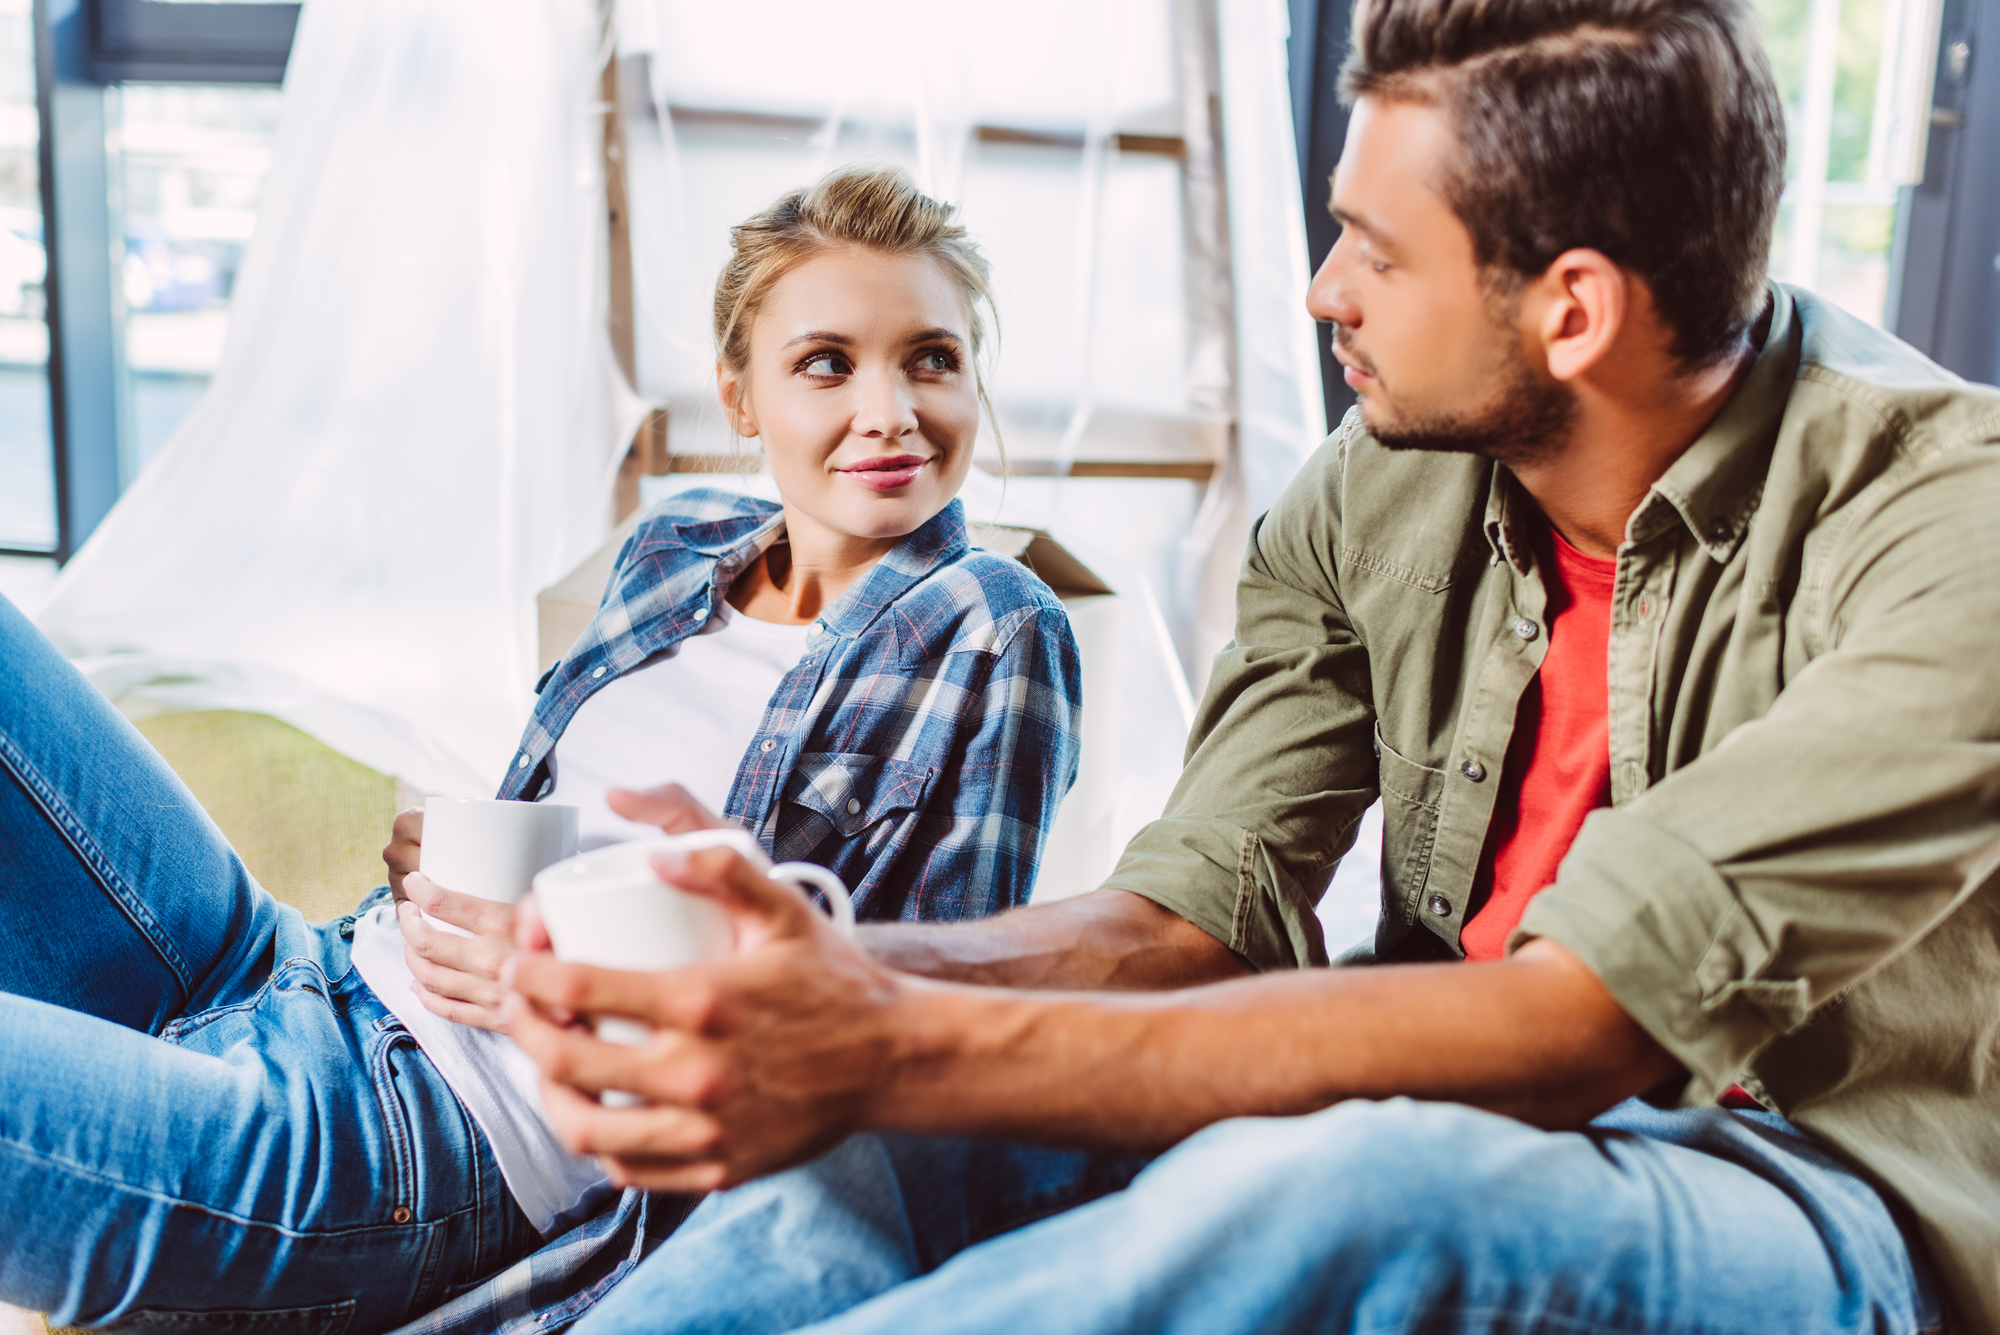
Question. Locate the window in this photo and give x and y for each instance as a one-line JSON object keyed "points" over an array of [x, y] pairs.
{"points": [[190, 164], [27, 458], [1835, 62]]}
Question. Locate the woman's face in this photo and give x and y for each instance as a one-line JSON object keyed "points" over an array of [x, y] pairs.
{"points": [[860, 382]]}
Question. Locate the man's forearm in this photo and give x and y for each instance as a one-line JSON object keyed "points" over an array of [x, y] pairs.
{"points": [[1104, 940], [1536, 1037]]}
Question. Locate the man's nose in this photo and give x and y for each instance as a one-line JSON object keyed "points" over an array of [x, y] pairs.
{"points": [[887, 408], [1329, 297]]}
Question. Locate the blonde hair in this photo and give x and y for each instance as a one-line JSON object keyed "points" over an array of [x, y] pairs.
{"points": [[878, 207]]}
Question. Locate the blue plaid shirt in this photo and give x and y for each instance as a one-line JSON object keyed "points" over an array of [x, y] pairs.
{"points": [[919, 749]]}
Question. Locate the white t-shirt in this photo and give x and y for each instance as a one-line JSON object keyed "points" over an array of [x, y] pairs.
{"points": [[687, 717]]}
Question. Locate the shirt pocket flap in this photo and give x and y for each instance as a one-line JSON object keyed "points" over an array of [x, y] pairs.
{"points": [[855, 791], [1399, 776]]}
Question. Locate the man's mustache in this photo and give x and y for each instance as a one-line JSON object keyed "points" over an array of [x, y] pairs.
{"points": [[1343, 338]]}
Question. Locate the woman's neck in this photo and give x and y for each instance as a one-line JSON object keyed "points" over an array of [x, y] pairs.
{"points": [[798, 576]]}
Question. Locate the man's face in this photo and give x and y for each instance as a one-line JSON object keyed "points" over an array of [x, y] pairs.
{"points": [[1439, 359]]}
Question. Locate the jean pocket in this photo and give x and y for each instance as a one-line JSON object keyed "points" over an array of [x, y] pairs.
{"points": [[329, 1319]]}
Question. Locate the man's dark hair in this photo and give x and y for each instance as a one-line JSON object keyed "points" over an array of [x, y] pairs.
{"points": [[1649, 130]]}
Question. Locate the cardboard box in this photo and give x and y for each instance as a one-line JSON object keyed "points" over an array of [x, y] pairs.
{"points": [[1079, 852]]}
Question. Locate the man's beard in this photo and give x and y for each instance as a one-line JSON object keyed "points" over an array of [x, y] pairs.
{"points": [[1529, 420]]}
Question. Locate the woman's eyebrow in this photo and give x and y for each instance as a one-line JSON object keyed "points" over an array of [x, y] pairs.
{"points": [[821, 336], [934, 333]]}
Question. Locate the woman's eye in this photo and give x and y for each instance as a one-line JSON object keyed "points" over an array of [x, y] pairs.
{"points": [[937, 361], [1378, 266], [826, 364]]}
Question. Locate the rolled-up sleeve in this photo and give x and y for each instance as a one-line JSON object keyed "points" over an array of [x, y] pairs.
{"points": [[1281, 762], [1738, 898]]}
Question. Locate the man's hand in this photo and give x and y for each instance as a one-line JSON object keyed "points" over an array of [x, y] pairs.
{"points": [[406, 843], [758, 1061], [458, 977]]}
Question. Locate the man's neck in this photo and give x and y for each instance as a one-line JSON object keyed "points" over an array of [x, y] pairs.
{"points": [[1623, 442]]}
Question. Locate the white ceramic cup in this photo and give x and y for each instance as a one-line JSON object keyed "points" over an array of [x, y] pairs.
{"points": [[607, 907], [492, 849]]}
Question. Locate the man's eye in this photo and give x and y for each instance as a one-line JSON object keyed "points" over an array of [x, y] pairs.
{"points": [[1378, 266], [826, 364]]}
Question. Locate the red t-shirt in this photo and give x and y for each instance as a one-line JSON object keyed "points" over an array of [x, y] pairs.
{"points": [[1559, 763]]}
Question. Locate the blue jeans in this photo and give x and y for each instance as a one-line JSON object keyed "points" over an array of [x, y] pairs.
{"points": [[206, 1112], [1367, 1217]]}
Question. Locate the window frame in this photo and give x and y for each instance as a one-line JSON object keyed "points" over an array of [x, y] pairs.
{"points": [[81, 48]]}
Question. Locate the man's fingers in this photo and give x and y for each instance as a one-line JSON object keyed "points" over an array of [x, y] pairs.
{"points": [[685, 1000], [671, 1068], [649, 1132], [725, 875], [669, 806], [530, 932]]}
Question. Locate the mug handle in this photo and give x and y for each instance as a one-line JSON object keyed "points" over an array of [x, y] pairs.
{"points": [[807, 877]]}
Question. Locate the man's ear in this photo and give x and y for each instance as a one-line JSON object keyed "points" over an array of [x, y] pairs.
{"points": [[1578, 310], [733, 387]]}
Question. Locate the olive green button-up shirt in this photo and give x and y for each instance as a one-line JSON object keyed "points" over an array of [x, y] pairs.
{"points": [[1797, 885]]}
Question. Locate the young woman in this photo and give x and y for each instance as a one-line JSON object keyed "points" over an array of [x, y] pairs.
{"points": [[215, 1109]]}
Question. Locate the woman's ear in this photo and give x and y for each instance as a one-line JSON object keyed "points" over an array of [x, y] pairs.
{"points": [[733, 387]]}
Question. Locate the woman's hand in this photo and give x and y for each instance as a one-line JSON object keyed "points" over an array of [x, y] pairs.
{"points": [[406, 846], [458, 977]]}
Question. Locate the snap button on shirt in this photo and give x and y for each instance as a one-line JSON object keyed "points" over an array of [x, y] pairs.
{"points": [[1526, 629], [1473, 770], [768, 744], [854, 806], [1440, 906], [701, 614]]}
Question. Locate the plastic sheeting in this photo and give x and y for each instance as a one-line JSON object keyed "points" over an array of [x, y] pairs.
{"points": [[1280, 410], [417, 416]]}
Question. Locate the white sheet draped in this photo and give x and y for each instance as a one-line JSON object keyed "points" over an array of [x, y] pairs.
{"points": [[417, 414]]}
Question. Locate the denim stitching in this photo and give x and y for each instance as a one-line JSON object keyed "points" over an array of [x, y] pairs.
{"points": [[44, 795]]}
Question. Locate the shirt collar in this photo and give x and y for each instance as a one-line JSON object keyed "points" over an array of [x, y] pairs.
{"points": [[1714, 487], [940, 540], [736, 540], [1506, 506]]}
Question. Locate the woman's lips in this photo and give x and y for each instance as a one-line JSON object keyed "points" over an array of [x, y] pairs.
{"points": [[888, 472]]}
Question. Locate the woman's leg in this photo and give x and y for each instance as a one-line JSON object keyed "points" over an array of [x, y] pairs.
{"points": [[292, 1154], [118, 896], [206, 1110]]}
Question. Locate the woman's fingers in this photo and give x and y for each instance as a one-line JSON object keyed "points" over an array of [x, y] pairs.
{"points": [[406, 839], [471, 1014], [488, 919], [669, 806]]}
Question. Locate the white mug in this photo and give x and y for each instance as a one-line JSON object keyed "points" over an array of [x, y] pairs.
{"points": [[491, 849], [609, 908]]}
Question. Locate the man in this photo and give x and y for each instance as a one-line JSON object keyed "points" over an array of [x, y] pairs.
{"points": [[1662, 609]]}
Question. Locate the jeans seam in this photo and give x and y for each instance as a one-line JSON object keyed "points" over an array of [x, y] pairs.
{"points": [[44, 795], [92, 1174]]}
